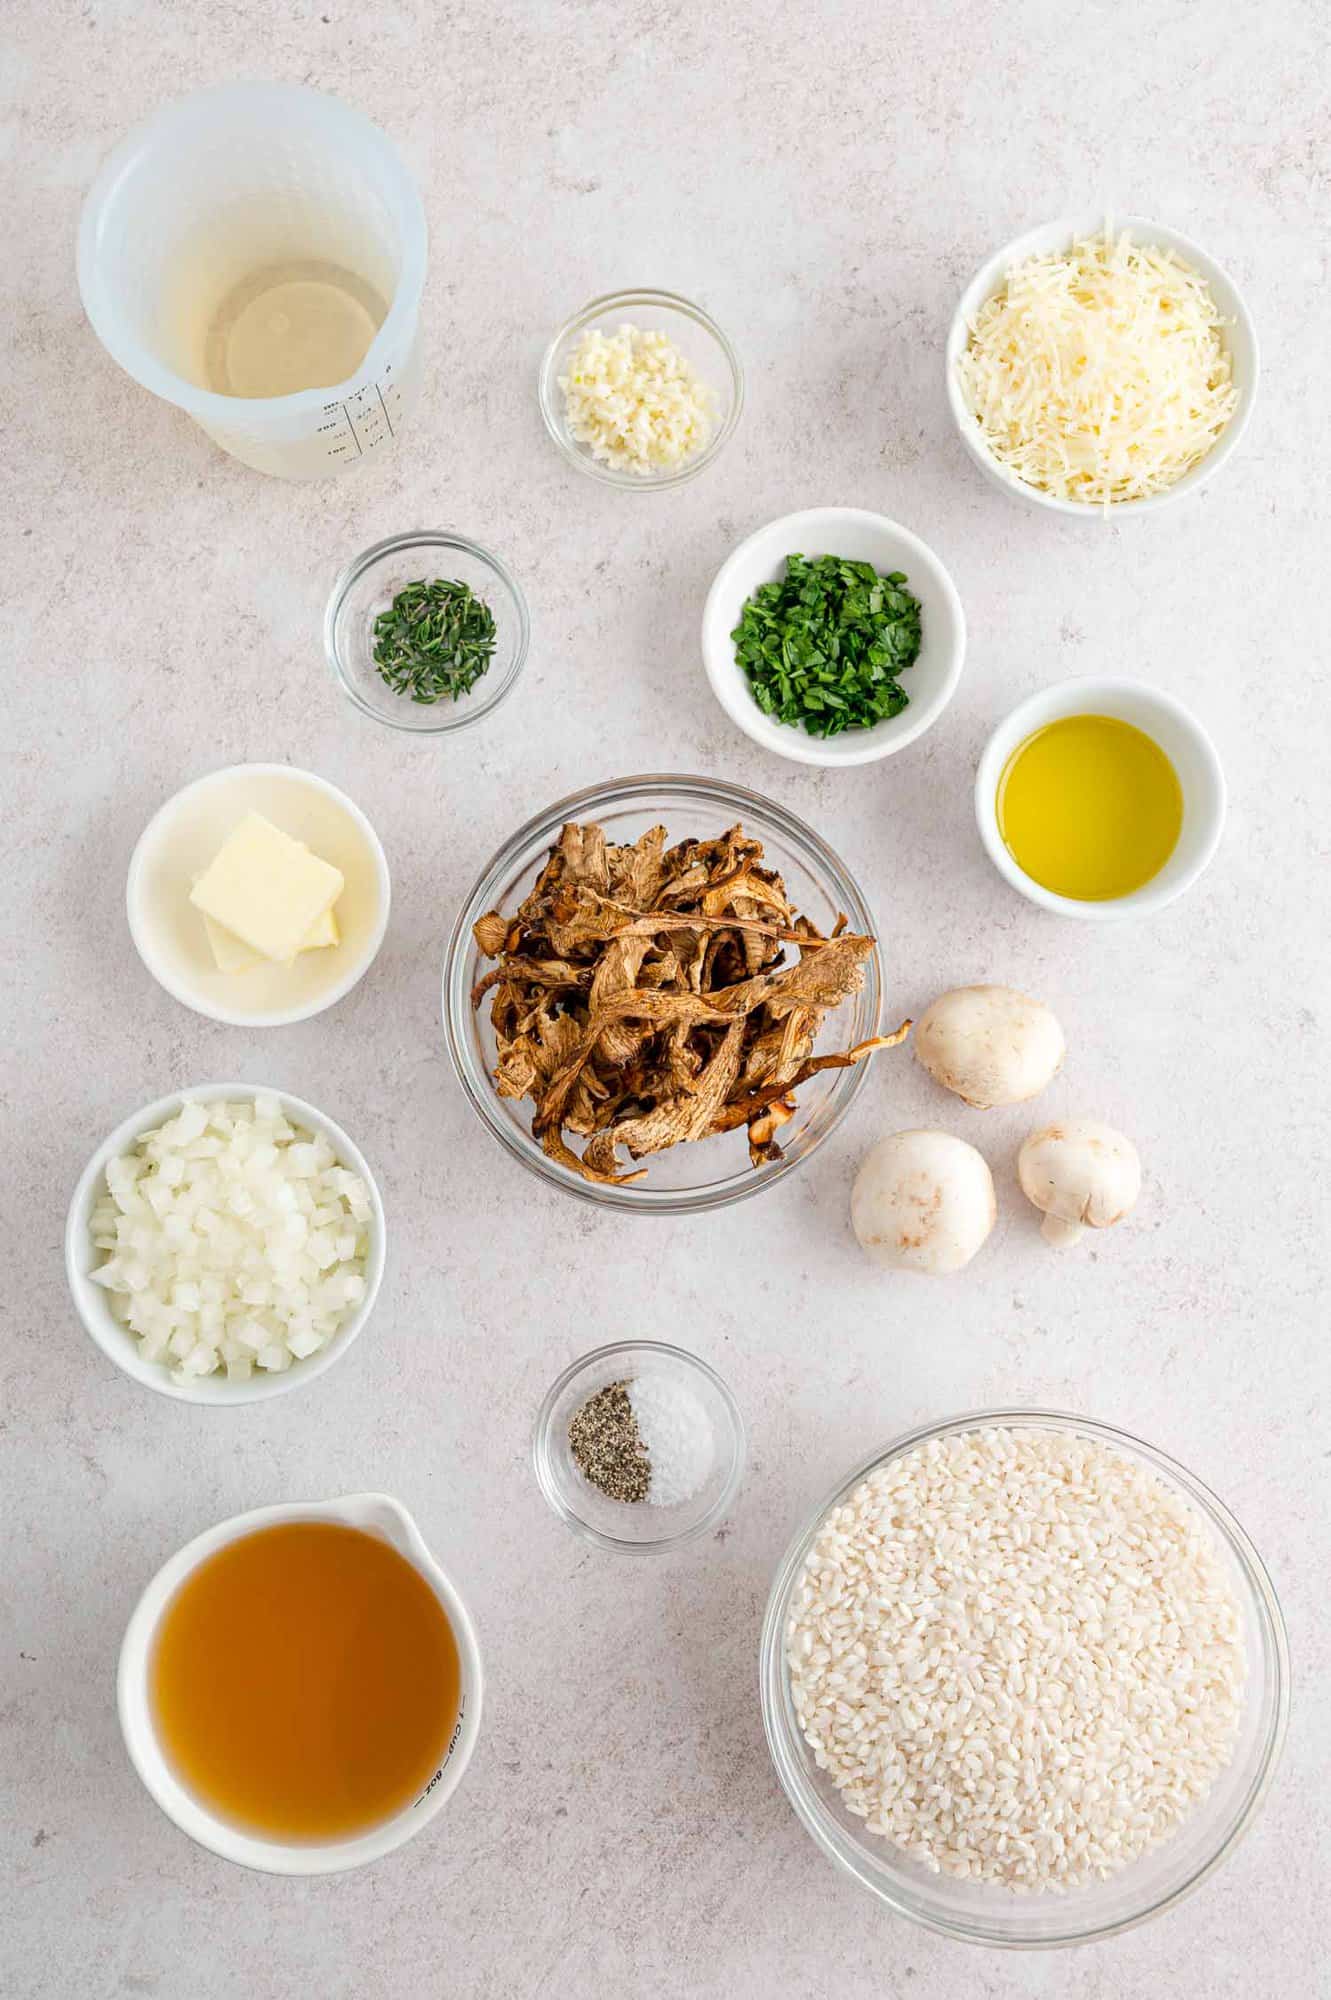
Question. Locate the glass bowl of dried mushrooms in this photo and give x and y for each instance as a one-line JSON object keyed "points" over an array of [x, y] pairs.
{"points": [[662, 993]]}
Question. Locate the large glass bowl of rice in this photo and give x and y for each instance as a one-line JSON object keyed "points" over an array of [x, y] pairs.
{"points": [[1025, 1678]]}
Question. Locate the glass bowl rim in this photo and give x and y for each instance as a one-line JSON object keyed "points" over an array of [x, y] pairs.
{"points": [[781, 1735], [659, 1544], [476, 1082], [546, 387], [426, 538]]}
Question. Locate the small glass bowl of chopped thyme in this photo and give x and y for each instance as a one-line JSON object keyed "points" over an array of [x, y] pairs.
{"points": [[639, 1447], [426, 631], [693, 371]]}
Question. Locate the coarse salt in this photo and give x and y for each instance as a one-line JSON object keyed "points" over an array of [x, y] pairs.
{"points": [[676, 1434]]}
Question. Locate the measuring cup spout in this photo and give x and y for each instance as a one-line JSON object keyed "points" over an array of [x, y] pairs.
{"points": [[378, 1514]]}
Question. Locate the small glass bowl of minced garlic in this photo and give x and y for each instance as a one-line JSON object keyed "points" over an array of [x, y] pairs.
{"points": [[639, 1447], [641, 390]]}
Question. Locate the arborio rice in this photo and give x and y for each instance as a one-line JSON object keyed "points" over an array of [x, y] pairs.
{"points": [[1018, 1655]]}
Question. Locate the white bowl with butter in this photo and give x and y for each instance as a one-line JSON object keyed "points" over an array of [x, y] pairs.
{"points": [[178, 852]]}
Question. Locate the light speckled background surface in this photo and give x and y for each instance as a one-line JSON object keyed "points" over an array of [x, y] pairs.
{"points": [[824, 179]]}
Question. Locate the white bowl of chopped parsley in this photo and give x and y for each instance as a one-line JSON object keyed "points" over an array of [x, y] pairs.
{"points": [[833, 636]]}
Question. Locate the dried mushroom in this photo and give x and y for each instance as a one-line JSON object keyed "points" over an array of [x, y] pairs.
{"points": [[643, 996]]}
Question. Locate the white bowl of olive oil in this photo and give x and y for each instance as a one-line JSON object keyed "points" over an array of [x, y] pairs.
{"points": [[1100, 799]]}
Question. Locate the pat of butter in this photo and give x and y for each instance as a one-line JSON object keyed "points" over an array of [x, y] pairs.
{"points": [[322, 933], [267, 889], [230, 955]]}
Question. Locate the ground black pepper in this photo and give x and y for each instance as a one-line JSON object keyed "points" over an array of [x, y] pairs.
{"points": [[607, 1447]]}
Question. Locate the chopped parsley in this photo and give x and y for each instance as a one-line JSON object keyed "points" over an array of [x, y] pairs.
{"points": [[823, 646]]}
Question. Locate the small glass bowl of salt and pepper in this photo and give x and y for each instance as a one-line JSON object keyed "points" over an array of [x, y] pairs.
{"points": [[639, 1447]]}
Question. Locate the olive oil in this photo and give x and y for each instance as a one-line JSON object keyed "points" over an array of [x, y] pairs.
{"points": [[305, 1682], [1090, 807]]}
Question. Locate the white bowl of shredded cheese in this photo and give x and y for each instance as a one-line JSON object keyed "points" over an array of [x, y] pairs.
{"points": [[641, 389], [1103, 365], [224, 1234]]}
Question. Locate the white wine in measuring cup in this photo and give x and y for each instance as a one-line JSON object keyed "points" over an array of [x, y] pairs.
{"points": [[255, 255], [305, 324]]}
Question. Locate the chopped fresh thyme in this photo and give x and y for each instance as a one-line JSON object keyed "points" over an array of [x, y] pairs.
{"points": [[822, 647], [434, 641]]}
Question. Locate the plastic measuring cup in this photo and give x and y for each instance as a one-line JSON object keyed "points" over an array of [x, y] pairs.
{"points": [[225, 183]]}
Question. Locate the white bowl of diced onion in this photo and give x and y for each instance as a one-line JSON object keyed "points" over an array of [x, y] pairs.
{"points": [[291, 1162], [1237, 334]]}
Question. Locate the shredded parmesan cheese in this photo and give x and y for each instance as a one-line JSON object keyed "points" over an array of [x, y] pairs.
{"points": [[1099, 374], [633, 399]]}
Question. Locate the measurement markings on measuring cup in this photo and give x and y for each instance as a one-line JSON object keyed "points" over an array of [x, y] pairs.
{"points": [[337, 415], [369, 416], [352, 428], [362, 420]]}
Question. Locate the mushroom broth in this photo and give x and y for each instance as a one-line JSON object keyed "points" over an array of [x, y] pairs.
{"points": [[305, 1681]]}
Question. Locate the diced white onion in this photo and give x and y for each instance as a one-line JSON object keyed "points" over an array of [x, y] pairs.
{"points": [[232, 1240]]}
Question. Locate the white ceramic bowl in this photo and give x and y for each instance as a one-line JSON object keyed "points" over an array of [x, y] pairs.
{"points": [[180, 841], [859, 536], [1239, 334], [373, 1514], [1183, 740], [119, 1344]]}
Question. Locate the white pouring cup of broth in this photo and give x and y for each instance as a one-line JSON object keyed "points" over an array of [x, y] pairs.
{"points": [[374, 1514]]}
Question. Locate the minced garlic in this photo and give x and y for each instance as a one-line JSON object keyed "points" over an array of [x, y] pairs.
{"points": [[634, 400]]}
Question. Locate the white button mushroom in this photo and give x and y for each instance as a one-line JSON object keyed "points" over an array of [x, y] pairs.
{"points": [[922, 1201], [1081, 1174], [989, 1044]]}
